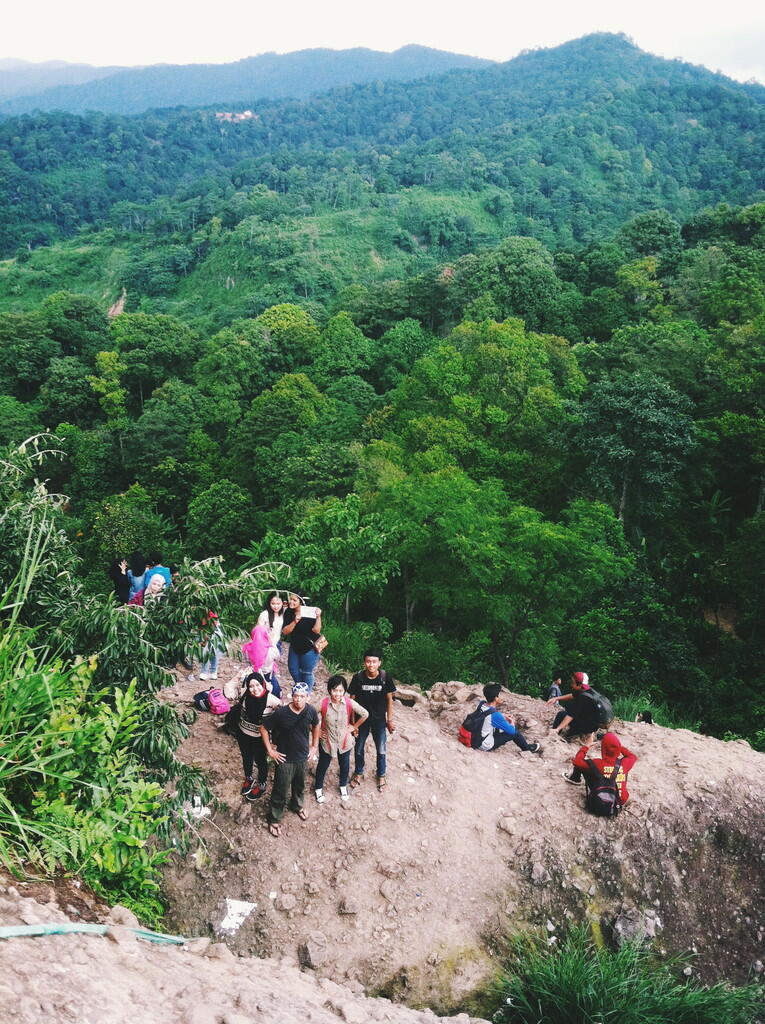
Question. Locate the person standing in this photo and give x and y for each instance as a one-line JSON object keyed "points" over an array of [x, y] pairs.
{"points": [[302, 627], [341, 717], [373, 689], [257, 705], [156, 568], [295, 741]]}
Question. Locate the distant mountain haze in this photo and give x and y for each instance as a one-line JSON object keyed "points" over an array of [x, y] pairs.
{"points": [[267, 76], [23, 77]]}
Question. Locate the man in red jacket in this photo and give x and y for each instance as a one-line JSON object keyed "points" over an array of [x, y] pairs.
{"points": [[611, 750]]}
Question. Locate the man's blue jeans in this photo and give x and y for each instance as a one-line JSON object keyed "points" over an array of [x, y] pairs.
{"points": [[380, 736], [301, 666]]}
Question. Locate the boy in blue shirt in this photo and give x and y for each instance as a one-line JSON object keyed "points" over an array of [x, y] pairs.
{"points": [[497, 728]]}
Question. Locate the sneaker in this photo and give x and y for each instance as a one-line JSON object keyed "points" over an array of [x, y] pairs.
{"points": [[344, 794], [254, 793], [570, 778], [319, 794], [534, 748], [204, 675], [246, 785]]}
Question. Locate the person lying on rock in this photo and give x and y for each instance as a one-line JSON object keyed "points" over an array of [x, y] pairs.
{"points": [[295, 741], [498, 729], [580, 717], [611, 751]]}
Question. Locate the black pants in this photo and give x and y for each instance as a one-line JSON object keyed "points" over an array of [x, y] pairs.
{"points": [[252, 750]]}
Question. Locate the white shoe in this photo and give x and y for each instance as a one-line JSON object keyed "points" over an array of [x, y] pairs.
{"points": [[213, 675], [344, 794], [204, 675], [319, 793]]}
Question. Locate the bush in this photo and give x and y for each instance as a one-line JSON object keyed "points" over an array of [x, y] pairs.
{"points": [[581, 981], [424, 659]]}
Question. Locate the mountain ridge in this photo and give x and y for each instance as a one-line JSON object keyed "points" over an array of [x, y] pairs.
{"points": [[263, 76]]}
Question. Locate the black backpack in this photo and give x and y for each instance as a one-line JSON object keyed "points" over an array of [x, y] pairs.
{"points": [[471, 730], [603, 709], [603, 797]]}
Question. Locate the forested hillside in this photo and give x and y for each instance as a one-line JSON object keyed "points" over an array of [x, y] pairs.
{"points": [[469, 354], [298, 74], [562, 144]]}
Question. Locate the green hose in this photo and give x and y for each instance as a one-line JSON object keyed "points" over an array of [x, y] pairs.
{"points": [[30, 930]]}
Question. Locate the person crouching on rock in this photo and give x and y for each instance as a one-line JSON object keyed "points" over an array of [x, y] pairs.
{"points": [[257, 706], [295, 742], [499, 729], [580, 717], [611, 750]]}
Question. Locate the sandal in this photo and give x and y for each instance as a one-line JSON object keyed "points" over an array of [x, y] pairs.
{"points": [[356, 781], [301, 814], [381, 783], [274, 829]]}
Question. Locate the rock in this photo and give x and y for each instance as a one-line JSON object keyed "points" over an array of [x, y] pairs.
{"points": [[123, 937], [28, 914], [390, 870], [508, 824], [244, 811], [349, 905], [199, 946], [199, 1015], [539, 874], [313, 953], [235, 1018], [394, 814], [286, 901], [758, 967], [389, 891], [121, 915], [634, 925], [219, 951]]}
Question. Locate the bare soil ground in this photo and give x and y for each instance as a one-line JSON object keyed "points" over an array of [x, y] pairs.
{"points": [[412, 888]]}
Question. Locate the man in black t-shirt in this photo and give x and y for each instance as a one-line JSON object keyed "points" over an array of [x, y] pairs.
{"points": [[374, 690], [295, 741]]}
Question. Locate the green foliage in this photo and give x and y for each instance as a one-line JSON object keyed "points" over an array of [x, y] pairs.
{"points": [[125, 523], [580, 981]]}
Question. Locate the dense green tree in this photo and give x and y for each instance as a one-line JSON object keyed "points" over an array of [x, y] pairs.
{"points": [[26, 349], [219, 520], [636, 433], [152, 348]]}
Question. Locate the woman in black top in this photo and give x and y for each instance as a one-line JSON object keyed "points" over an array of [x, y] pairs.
{"points": [[119, 577], [301, 630]]}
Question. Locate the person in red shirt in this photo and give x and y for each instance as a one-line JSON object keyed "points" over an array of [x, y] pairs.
{"points": [[611, 750]]}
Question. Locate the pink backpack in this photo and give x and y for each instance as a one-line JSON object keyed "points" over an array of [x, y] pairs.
{"points": [[217, 702]]}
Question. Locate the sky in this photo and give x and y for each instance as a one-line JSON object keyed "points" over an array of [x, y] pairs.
{"points": [[727, 37]]}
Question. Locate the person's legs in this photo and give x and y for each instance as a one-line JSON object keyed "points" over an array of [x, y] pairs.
{"points": [[559, 718], [361, 739], [307, 666], [344, 762], [293, 664], [501, 738], [247, 750], [520, 740], [297, 786], [380, 737], [261, 759], [276, 690], [321, 768], [280, 792]]}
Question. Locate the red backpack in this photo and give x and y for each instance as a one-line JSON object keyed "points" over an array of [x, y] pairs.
{"points": [[325, 705]]}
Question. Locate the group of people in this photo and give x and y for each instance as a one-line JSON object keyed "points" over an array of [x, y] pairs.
{"points": [[294, 732], [139, 577]]}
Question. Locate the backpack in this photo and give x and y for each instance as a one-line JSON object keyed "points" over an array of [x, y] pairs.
{"points": [[325, 705], [604, 711], [603, 797], [471, 730], [217, 702]]}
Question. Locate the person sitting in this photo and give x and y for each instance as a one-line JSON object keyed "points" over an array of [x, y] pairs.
{"points": [[580, 717], [611, 751], [499, 729]]}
